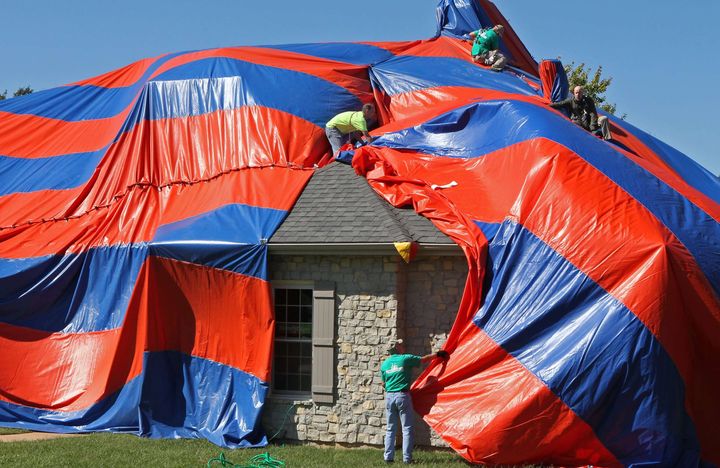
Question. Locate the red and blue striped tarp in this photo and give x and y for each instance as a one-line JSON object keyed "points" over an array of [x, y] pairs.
{"points": [[135, 209]]}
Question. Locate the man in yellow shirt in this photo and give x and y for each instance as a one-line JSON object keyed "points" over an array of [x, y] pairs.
{"points": [[341, 127]]}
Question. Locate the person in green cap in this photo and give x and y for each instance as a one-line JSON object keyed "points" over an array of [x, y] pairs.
{"points": [[486, 47], [343, 126], [395, 372]]}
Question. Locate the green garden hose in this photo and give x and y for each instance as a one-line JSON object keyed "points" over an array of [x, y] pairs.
{"points": [[263, 460]]}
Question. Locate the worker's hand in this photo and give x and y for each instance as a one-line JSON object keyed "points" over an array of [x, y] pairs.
{"points": [[442, 354]]}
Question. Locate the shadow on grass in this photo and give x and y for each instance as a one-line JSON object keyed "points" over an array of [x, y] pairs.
{"points": [[10, 430]]}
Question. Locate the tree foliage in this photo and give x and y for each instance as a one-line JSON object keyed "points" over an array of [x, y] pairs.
{"points": [[23, 91], [593, 82], [19, 92]]}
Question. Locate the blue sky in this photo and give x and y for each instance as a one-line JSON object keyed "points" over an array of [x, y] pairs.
{"points": [[663, 57]]}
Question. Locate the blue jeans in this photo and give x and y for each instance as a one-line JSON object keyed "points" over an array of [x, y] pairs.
{"points": [[399, 404], [336, 138]]}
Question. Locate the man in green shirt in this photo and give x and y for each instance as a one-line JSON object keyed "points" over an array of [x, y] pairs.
{"points": [[396, 375], [341, 127], [486, 47]]}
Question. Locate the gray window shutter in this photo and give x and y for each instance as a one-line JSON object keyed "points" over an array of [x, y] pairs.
{"points": [[323, 340]]}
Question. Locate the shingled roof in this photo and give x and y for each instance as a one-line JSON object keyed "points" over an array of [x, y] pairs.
{"points": [[339, 207]]}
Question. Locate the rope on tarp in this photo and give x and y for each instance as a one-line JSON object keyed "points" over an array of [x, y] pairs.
{"points": [[263, 460]]}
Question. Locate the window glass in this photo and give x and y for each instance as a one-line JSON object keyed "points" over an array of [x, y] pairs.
{"points": [[293, 313], [306, 313], [306, 297], [280, 297], [292, 362], [293, 330], [293, 296]]}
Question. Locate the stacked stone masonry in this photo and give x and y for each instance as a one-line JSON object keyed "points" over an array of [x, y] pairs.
{"points": [[377, 299]]}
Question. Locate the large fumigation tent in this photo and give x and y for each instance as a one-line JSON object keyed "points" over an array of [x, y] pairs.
{"points": [[135, 209]]}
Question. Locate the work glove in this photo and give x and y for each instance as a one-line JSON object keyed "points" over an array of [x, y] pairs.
{"points": [[442, 354]]}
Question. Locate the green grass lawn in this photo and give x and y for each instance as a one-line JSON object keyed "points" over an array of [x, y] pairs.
{"points": [[111, 450]]}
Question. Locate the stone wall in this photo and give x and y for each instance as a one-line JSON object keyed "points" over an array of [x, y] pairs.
{"points": [[378, 298], [429, 305]]}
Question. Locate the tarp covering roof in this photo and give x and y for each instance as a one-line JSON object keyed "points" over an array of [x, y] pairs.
{"points": [[135, 209]]}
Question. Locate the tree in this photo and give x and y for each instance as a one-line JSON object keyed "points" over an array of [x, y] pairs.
{"points": [[23, 91], [595, 87], [18, 92]]}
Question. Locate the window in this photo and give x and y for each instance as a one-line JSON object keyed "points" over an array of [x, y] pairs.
{"points": [[304, 356], [292, 363]]}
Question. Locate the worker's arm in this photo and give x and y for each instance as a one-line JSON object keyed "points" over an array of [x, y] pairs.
{"points": [[360, 125], [442, 354], [473, 35], [560, 104]]}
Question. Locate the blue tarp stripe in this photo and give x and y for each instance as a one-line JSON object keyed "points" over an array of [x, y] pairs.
{"points": [[561, 87], [588, 348], [74, 103], [177, 99], [231, 224], [232, 238], [306, 96], [347, 52], [117, 412], [37, 292], [302, 95], [81, 102], [488, 229], [404, 74], [478, 129], [693, 173], [70, 293], [175, 396], [51, 173], [298, 93], [456, 19]]}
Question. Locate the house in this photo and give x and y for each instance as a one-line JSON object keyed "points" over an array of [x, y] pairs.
{"points": [[342, 291]]}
